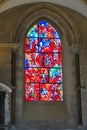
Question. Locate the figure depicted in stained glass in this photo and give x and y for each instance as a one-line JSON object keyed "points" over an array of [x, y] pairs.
{"points": [[43, 64]]}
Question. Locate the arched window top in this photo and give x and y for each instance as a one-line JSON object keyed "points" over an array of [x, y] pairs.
{"points": [[43, 64], [40, 36], [43, 30]]}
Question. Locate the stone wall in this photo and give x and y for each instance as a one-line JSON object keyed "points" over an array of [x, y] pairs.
{"points": [[83, 67], [5, 66], [8, 22]]}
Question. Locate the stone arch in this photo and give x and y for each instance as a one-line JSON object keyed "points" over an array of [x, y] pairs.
{"points": [[50, 12], [4, 87], [3, 2], [8, 91], [70, 37]]}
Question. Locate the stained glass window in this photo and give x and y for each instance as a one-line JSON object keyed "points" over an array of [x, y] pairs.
{"points": [[43, 64]]}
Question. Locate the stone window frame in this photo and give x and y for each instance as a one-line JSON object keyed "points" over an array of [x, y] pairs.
{"points": [[62, 23]]}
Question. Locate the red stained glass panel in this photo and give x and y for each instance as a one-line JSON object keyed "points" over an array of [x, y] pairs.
{"points": [[43, 64], [36, 75], [51, 92], [32, 92]]}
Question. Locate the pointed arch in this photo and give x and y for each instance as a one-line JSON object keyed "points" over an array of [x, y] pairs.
{"points": [[52, 14], [69, 36], [43, 63]]}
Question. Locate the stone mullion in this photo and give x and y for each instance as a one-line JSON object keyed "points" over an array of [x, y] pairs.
{"points": [[83, 73]]}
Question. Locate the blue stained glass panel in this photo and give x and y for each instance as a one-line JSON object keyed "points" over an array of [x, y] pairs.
{"points": [[31, 45], [33, 32], [47, 31], [33, 60], [51, 59], [48, 45]]}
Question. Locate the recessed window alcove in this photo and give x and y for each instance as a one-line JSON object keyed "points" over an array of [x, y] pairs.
{"points": [[33, 106]]}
